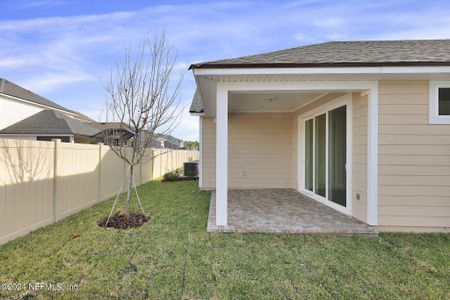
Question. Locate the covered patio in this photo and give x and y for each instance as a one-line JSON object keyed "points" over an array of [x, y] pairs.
{"points": [[289, 156], [283, 211]]}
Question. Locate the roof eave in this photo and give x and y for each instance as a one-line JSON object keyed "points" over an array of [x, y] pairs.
{"points": [[317, 65], [197, 113]]}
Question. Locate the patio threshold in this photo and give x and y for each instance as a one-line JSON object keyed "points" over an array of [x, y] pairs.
{"points": [[283, 211]]}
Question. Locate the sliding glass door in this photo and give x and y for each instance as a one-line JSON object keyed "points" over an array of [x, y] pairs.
{"points": [[337, 155], [320, 127], [326, 155], [309, 148]]}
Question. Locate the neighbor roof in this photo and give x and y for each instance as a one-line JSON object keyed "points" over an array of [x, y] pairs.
{"points": [[110, 125], [50, 122], [346, 54], [12, 89]]}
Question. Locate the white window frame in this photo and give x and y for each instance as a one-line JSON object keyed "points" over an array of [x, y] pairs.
{"points": [[345, 100], [434, 117]]}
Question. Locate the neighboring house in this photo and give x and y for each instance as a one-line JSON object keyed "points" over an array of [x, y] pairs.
{"points": [[363, 127], [26, 115], [115, 133], [120, 133], [164, 141], [168, 141], [50, 124]]}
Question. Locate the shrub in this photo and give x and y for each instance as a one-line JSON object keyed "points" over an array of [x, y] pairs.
{"points": [[171, 176]]}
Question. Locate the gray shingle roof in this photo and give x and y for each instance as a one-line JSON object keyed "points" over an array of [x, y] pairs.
{"points": [[197, 103], [12, 89], [351, 53], [110, 125], [50, 122]]}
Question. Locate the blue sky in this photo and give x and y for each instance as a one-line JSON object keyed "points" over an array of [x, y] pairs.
{"points": [[64, 49]]}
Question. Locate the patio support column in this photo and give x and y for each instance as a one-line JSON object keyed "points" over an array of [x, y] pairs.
{"points": [[372, 157], [221, 156]]}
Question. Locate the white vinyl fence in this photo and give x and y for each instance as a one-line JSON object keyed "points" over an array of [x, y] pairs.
{"points": [[42, 182]]}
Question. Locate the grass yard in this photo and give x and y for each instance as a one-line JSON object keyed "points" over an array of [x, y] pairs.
{"points": [[173, 257]]}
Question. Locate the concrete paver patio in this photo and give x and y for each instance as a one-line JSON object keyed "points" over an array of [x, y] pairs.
{"points": [[283, 211]]}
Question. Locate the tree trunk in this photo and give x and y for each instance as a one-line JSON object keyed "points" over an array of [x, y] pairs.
{"points": [[130, 187]]}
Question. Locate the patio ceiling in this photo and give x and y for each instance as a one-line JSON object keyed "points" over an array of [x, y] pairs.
{"points": [[271, 101]]}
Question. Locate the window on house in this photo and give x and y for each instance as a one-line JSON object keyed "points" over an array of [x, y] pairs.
{"points": [[440, 102], [444, 101]]}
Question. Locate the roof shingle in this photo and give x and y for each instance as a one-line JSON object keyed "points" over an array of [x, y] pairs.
{"points": [[350, 53], [12, 89], [197, 103], [50, 122]]}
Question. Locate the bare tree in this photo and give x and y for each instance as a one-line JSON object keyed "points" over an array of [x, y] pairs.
{"points": [[144, 98]]}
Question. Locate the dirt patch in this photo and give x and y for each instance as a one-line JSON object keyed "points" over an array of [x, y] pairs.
{"points": [[121, 221]]}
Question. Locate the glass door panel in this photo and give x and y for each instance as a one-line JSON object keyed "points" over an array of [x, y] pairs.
{"points": [[337, 155], [326, 155], [309, 131], [320, 155]]}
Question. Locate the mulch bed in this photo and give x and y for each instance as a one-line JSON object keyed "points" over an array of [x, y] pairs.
{"points": [[181, 178], [121, 221]]}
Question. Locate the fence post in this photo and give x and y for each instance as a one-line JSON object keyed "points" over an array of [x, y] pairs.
{"points": [[161, 164], [153, 163], [56, 148], [100, 152], [124, 175]]}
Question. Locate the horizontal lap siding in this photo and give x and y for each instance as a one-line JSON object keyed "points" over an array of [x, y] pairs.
{"points": [[260, 151], [414, 158], [208, 146], [359, 156]]}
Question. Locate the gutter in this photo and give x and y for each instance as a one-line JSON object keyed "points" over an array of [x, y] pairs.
{"points": [[316, 65]]}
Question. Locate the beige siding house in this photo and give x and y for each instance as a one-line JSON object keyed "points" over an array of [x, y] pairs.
{"points": [[361, 127]]}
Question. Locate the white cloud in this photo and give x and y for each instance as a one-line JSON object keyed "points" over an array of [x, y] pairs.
{"points": [[37, 3], [57, 24], [188, 128], [331, 22], [299, 36], [48, 82]]}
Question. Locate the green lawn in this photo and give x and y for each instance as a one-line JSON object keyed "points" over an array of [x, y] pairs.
{"points": [[173, 257]]}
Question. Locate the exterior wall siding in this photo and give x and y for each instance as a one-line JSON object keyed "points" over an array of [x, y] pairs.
{"points": [[414, 156], [414, 159], [359, 156], [208, 146], [263, 150], [260, 151], [14, 111]]}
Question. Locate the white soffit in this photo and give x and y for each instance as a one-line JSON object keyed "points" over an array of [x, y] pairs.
{"points": [[323, 77], [276, 101], [343, 70]]}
